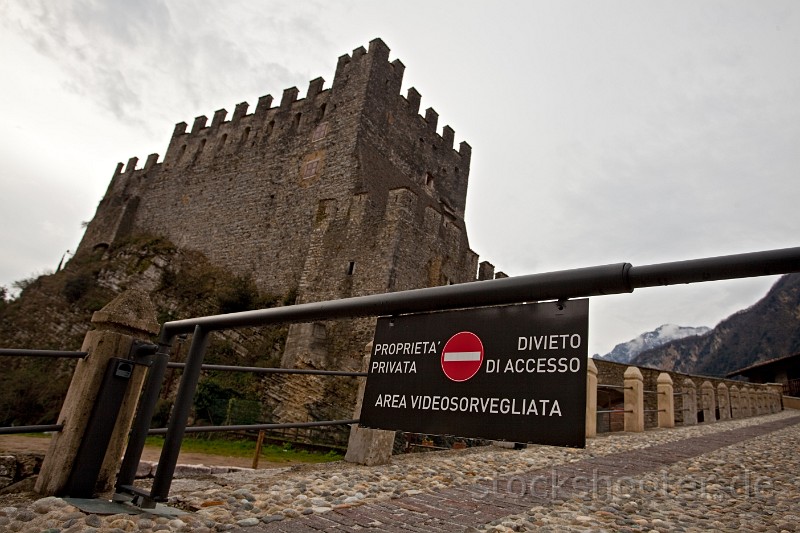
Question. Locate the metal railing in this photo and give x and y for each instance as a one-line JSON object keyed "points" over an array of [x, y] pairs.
{"points": [[271, 426], [5, 352], [41, 428], [792, 388], [561, 285]]}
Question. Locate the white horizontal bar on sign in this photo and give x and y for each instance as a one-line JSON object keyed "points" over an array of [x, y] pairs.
{"points": [[462, 356]]}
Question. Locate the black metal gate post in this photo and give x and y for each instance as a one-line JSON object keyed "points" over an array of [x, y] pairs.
{"points": [[180, 413], [144, 415]]}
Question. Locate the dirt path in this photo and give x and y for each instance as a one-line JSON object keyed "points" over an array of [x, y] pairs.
{"points": [[19, 443]]}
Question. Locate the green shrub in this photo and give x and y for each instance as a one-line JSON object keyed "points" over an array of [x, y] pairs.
{"points": [[241, 294], [77, 287]]}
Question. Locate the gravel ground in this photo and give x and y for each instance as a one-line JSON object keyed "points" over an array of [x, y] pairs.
{"points": [[752, 485]]}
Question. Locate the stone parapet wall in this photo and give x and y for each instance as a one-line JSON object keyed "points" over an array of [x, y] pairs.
{"points": [[696, 399], [790, 402]]}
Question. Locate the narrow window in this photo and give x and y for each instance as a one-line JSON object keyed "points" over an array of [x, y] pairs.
{"points": [[246, 134], [310, 169], [351, 268], [319, 132], [429, 180], [296, 123]]}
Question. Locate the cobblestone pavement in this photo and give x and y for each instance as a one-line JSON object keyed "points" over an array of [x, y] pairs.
{"points": [[725, 476]]}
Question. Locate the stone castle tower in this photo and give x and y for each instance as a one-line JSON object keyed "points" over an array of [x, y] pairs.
{"points": [[346, 192]]}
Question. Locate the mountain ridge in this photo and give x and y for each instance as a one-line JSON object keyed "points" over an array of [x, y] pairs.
{"points": [[763, 331], [625, 352]]}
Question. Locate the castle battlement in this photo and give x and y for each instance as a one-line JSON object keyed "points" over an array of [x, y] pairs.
{"points": [[344, 192], [296, 116]]}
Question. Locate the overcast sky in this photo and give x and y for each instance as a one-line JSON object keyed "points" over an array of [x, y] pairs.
{"points": [[602, 131]]}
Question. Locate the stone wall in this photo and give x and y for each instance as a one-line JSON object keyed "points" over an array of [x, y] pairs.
{"points": [[611, 373], [17, 471]]}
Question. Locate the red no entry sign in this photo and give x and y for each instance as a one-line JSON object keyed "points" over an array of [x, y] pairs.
{"points": [[462, 356]]}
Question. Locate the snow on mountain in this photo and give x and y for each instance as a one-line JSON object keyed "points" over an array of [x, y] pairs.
{"points": [[626, 351]]}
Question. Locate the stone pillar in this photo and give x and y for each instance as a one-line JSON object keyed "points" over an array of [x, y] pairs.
{"points": [[591, 399], [689, 406], [746, 406], [771, 400], [634, 400], [367, 446], [777, 396], [666, 401], [707, 402], [736, 401], [724, 400], [764, 401], [757, 401], [127, 317]]}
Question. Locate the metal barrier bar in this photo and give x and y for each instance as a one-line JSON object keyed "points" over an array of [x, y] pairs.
{"points": [[6, 352], [606, 386], [15, 430], [576, 283], [180, 413], [288, 425], [13, 352], [263, 370], [622, 387], [144, 415], [615, 411]]}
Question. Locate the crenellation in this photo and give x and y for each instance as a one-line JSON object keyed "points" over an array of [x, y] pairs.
{"points": [[358, 53], [264, 105], [152, 159], [288, 98], [399, 68], [118, 170], [485, 271], [448, 136], [180, 129], [239, 111], [315, 87], [341, 65], [199, 123], [378, 50], [431, 118], [131, 166], [465, 151], [414, 99], [219, 118]]}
